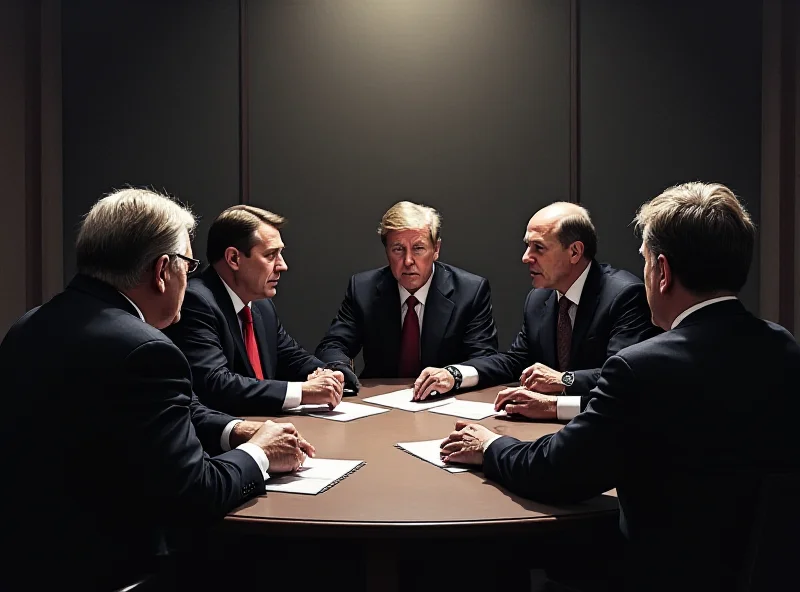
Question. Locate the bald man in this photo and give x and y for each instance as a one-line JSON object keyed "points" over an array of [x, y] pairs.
{"points": [[579, 313]]}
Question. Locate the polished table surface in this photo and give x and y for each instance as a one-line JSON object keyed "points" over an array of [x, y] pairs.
{"points": [[397, 494]]}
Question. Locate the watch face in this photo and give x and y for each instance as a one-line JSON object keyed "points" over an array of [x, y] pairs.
{"points": [[568, 378]]}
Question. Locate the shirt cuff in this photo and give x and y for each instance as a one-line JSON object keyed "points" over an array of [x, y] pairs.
{"points": [[258, 455], [294, 395], [489, 442], [469, 375], [567, 407], [225, 439]]}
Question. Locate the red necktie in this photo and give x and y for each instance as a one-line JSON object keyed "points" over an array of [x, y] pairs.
{"points": [[564, 335], [409, 341], [250, 341]]}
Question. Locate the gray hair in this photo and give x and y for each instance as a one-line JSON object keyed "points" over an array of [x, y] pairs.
{"points": [[126, 231], [405, 215]]}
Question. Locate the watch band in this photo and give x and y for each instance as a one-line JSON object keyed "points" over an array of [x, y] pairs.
{"points": [[457, 377]]}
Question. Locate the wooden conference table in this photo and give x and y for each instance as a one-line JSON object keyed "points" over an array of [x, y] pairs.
{"points": [[397, 501]]}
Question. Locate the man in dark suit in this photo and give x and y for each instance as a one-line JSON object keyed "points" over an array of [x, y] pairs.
{"points": [[105, 442], [684, 424], [243, 361], [579, 313], [449, 318]]}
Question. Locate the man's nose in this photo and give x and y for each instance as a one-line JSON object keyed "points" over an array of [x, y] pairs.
{"points": [[526, 256], [409, 260]]}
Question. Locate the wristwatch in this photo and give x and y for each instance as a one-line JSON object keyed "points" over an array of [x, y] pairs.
{"points": [[456, 374], [568, 378]]}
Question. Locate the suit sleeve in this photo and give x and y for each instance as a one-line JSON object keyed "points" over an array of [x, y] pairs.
{"points": [[505, 366], [630, 324], [197, 334], [344, 338], [208, 424], [294, 362], [583, 459], [480, 336], [162, 443]]}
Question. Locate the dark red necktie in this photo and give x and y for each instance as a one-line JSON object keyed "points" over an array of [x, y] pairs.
{"points": [[250, 341], [409, 341], [564, 335]]}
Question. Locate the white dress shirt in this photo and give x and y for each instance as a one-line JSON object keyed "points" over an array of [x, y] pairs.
{"points": [[254, 451], [294, 390], [567, 406], [697, 307]]}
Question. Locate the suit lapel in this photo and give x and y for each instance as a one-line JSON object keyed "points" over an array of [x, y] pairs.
{"points": [[387, 306], [590, 298], [438, 310], [214, 283], [259, 327], [547, 330]]}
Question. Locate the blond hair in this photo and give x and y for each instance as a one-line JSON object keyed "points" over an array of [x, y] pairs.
{"points": [[126, 231], [406, 215], [704, 232]]}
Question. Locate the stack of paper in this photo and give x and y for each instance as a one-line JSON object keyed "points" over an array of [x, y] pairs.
{"points": [[315, 476], [344, 411], [402, 400], [428, 450]]}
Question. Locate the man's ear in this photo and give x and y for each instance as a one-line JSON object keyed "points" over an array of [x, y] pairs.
{"points": [[576, 251], [232, 257], [161, 273], [664, 270], [436, 249]]}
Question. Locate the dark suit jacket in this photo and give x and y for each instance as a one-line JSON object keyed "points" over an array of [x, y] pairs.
{"points": [[105, 443], [685, 426], [612, 314], [457, 323], [211, 338]]}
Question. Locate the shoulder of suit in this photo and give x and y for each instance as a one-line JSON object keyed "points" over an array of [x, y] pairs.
{"points": [[461, 275], [198, 291], [125, 327], [618, 277]]}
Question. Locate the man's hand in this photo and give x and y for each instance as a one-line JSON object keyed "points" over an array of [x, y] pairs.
{"points": [[432, 379], [284, 446], [465, 445], [325, 387], [542, 379], [518, 400], [243, 431]]}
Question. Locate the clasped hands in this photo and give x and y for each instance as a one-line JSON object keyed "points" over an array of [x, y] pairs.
{"points": [[285, 447], [323, 386]]}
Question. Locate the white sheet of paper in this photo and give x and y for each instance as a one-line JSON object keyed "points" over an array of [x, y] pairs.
{"points": [[402, 400], [315, 475], [428, 450], [467, 409], [344, 411]]}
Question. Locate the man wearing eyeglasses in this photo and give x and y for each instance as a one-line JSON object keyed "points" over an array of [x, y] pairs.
{"points": [[107, 448], [243, 360]]}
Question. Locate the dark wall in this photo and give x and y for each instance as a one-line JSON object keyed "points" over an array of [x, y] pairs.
{"points": [[462, 105], [151, 98], [670, 92]]}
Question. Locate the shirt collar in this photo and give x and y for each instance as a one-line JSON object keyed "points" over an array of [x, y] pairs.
{"points": [[421, 295], [138, 310], [697, 307], [238, 305], [575, 290]]}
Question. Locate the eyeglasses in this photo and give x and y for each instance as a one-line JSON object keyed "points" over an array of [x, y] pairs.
{"points": [[193, 264]]}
